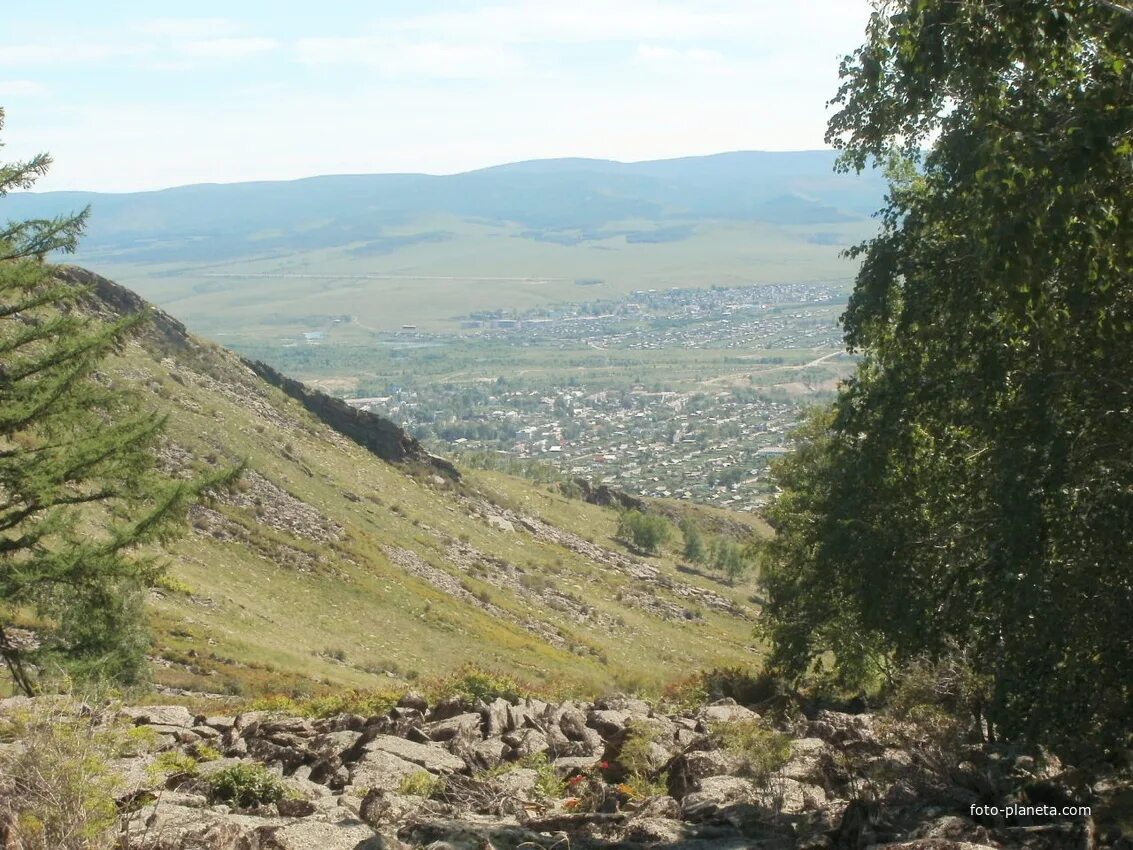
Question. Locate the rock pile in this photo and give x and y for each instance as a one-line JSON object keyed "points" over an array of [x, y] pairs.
{"points": [[613, 773]]}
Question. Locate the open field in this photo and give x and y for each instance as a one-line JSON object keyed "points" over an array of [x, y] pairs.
{"points": [[433, 285], [264, 260]]}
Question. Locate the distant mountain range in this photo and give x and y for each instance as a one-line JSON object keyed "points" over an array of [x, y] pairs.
{"points": [[563, 201]]}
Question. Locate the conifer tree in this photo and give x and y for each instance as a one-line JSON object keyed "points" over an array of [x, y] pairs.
{"points": [[80, 495]]}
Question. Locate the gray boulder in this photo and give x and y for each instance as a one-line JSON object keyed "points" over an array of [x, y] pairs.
{"points": [[429, 756], [381, 770]]}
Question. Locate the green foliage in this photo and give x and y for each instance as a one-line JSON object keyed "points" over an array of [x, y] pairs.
{"points": [[472, 684], [694, 543], [729, 557], [547, 781], [79, 491], [57, 788], [745, 685], [970, 486], [644, 786], [764, 751], [174, 763], [245, 785], [636, 754], [366, 703], [949, 684], [421, 784], [647, 532], [206, 752]]}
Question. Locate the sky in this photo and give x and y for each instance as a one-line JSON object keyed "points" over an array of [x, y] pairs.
{"points": [[144, 94]]}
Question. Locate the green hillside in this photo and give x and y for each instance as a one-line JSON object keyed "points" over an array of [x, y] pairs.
{"points": [[329, 565]]}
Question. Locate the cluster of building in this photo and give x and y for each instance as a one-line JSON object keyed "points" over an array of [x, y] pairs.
{"points": [[708, 441]]}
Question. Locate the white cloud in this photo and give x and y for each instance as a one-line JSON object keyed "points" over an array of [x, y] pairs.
{"points": [[22, 88], [534, 21], [182, 28], [406, 59], [61, 53], [226, 48], [685, 60]]}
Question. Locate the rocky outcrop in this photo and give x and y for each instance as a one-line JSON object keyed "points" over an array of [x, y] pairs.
{"points": [[107, 297], [614, 773], [388, 441], [608, 497]]}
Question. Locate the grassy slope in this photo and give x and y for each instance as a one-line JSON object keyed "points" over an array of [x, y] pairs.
{"points": [[272, 608]]}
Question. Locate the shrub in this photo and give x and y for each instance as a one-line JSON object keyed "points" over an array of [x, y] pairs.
{"points": [[948, 684], [471, 683], [730, 558], [688, 692], [764, 751], [745, 686], [57, 791], [421, 784], [570, 489], [637, 762], [547, 781], [641, 787], [206, 752], [646, 531], [174, 763], [173, 585], [937, 707], [635, 756], [245, 786]]}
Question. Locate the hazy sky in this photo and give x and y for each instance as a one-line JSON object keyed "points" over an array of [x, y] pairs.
{"points": [[141, 94]]}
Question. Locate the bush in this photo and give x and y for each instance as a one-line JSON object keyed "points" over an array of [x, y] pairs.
{"points": [[206, 752], [365, 703], [174, 763], [57, 791], [764, 751], [547, 781], [245, 786], [471, 683], [937, 707], [745, 686], [635, 755], [950, 684], [421, 784], [646, 531]]}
